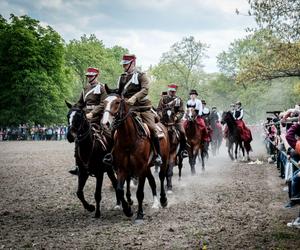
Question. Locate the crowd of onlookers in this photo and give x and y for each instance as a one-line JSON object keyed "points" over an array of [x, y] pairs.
{"points": [[34, 133], [282, 136]]}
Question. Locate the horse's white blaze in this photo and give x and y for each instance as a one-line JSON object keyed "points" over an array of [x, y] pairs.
{"points": [[71, 117], [190, 113], [155, 202], [107, 117]]}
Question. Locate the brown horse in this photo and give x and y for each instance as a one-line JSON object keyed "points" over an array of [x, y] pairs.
{"points": [[133, 152], [194, 137], [175, 156], [90, 149], [234, 137]]}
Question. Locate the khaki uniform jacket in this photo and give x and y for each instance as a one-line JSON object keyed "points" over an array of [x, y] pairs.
{"points": [[135, 84], [178, 107], [91, 99]]}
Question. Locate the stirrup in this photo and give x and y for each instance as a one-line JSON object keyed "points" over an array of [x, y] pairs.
{"points": [[108, 159], [184, 153], [158, 160]]}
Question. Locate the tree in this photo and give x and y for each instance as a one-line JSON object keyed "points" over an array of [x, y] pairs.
{"points": [[33, 82], [279, 16], [185, 60], [91, 52]]}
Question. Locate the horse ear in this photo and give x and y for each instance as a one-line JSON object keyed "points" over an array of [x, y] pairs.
{"points": [[110, 91], [69, 105]]}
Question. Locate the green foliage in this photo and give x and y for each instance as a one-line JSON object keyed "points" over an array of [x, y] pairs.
{"points": [[32, 83], [91, 52]]}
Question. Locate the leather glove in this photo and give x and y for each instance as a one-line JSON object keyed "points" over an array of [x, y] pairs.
{"points": [[89, 116], [131, 101]]}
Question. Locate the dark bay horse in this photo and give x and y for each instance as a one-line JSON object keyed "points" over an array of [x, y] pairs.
{"points": [[133, 152], [234, 137], [90, 150], [217, 134], [175, 156], [194, 137]]}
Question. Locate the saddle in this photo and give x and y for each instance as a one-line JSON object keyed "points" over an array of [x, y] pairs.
{"points": [[144, 130], [99, 135]]}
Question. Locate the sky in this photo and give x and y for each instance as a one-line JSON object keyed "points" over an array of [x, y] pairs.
{"points": [[148, 28]]}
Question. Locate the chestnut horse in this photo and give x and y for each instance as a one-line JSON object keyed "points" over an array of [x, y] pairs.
{"points": [[133, 152], [90, 150], [175, 156], [194, 137], [234, 137]]}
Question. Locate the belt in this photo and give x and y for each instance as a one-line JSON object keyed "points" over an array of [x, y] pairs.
{"points": [[90, 106]]}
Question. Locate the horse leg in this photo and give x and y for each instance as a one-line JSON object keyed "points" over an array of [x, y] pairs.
{"points": [[152, 184], [230, 148], [120, 194], [236, 150], [169, 176], [82, 178], [202, 160], [99, 181], [140, 197], [243, 150], [163, 197], [128, 193], [114, 182], [180, 159]]}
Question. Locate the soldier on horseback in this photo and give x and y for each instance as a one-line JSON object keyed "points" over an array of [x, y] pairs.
{"points": [[175, 103], [134, 85], [91, 101]]}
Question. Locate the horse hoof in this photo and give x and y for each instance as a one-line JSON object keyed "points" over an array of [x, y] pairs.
{"points": [[138, 221], [117, 208], [164, 204], [128, 212], [170, 191], [130, 202], [90, 208], [179, 179], [97, 215]]}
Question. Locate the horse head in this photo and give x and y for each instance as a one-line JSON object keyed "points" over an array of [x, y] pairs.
{"points": [[227, 117], [191, 114], [77, 121], [115, 110]]}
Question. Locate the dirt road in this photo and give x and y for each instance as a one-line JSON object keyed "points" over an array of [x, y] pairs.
{"points": [[228, 206]]}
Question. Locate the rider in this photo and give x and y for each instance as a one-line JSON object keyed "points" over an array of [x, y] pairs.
{"points": [[238, 115], [178, 110], [195, 103], [91, 101], [134, 85], [214, 112]]}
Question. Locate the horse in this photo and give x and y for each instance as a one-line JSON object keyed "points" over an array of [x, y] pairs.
{"points": [[217, 135], [194, 137], [175, 156], [133, 152], [234, 137], [90, 149]]}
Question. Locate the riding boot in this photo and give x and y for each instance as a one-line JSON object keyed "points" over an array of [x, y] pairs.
{"points": [[74, 171], [157, 160], [183, 147]]}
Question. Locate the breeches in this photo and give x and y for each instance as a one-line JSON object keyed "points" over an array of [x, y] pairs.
{"points": [[148, 117]]}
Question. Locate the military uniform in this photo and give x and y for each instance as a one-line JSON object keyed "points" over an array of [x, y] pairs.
{"points": [[91, 101], [167, 101], [136, 84]]}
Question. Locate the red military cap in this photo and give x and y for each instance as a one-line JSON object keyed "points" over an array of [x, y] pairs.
{"points": [[92, 71], [128, 58], [172, 87]]}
